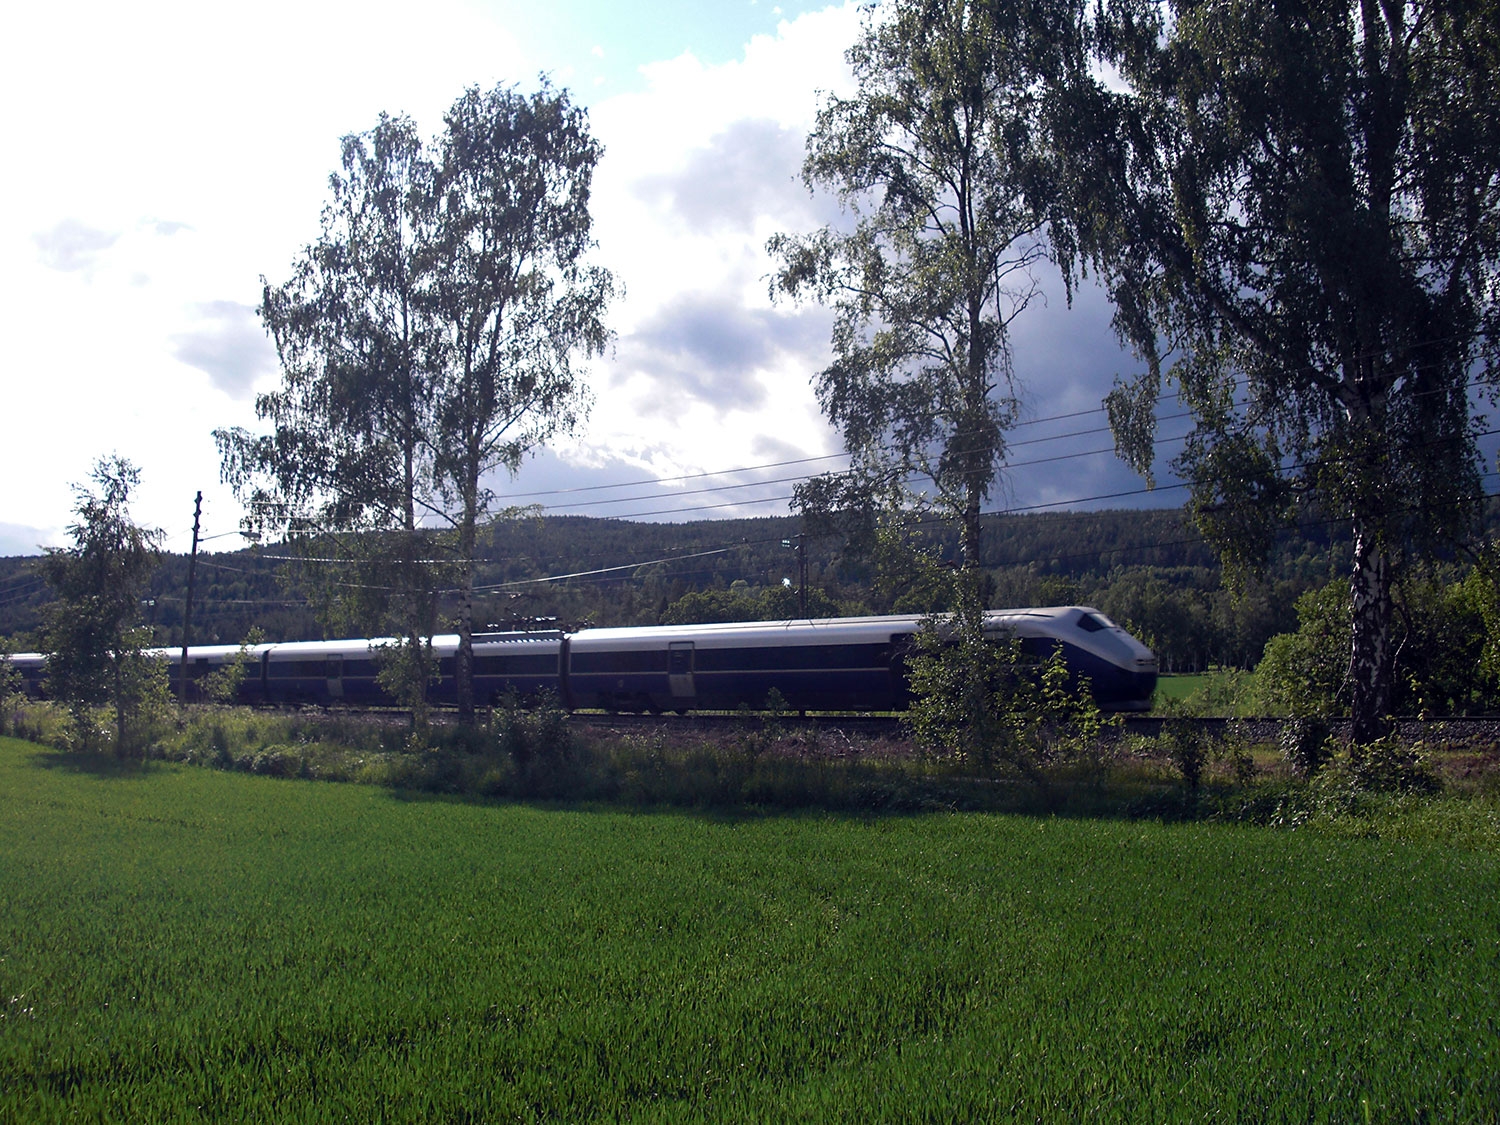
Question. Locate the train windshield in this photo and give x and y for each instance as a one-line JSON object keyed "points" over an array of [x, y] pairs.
{"points": [[1094, 622]]}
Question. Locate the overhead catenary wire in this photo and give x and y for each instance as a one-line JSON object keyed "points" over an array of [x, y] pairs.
{"points": [[1236, 386], [779, 498], [1013, 510], [601, 573], [1331, 521], [24, 586]]}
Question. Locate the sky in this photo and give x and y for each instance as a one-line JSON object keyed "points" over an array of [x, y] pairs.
{"points": [[165, 157]]}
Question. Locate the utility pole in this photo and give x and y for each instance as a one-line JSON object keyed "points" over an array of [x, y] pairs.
{"points": [[801, 573], [187, 612]]}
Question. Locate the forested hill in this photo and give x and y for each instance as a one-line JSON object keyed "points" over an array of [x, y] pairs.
{"points": [[1144, 566]]}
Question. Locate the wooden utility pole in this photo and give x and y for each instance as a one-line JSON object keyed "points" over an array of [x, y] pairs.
{"points": [[801, 572], [187, 612]]}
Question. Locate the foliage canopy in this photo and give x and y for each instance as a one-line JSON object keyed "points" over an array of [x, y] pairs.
{"points": [[433, 335], [1296, 210], [926, 160], [94, 645]]}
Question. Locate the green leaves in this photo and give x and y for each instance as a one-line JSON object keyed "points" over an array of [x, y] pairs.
{"points": [[435, 332], [1296, 231], [938, 262], [91, 637]]}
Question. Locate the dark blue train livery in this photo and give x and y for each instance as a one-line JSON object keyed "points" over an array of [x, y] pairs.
{"points": [[833, 664]]}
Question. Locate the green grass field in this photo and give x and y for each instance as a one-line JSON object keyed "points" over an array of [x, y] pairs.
{"points": [[186, 944], [1220, 692]]}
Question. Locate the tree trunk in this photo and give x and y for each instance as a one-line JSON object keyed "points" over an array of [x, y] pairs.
{"points": [[978, 461], [417, 579], [463, 669], [119, 680], [969, 532], [1370, 665]]}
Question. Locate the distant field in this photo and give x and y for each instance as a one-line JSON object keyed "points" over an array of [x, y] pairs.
{"points": [[183, 944], [1204, 684], [1179, 687]]}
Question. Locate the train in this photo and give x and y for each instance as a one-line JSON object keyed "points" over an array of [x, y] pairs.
{"points": [[829, 664]]}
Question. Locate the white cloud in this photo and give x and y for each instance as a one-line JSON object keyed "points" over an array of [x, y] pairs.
{"points": [[700, 169], [16, 539], [228, 344], [180, 151], [71, 246]]}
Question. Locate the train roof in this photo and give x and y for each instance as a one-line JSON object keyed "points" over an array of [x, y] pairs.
{"points": [[807, 629]]}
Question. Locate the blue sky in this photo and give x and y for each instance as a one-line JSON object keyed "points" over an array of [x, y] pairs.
{"points": [[167, 155], [605, 44]]}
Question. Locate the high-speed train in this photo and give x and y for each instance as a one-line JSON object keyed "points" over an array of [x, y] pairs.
{"points": [[831, 664]]}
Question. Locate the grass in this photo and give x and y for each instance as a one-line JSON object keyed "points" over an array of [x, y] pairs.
{"points": [[188, 944], [1180, 687], [1222, 692]]}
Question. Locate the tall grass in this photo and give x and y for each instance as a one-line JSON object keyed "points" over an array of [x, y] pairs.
{"points": [[181, 944], [1445, 789]]}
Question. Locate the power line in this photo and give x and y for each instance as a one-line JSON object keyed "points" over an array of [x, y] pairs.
{"points": [[595, 572], [601, 572], [1014, 510], [777, 499], [1235, 387]]}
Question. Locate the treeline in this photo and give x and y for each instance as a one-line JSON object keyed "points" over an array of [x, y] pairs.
{"points": [[1148, 569]]}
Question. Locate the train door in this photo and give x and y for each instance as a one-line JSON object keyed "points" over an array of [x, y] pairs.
{"points": [[335, 677], [680, 671]]}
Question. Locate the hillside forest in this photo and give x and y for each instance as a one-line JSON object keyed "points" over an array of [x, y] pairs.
{"points": [[1149, 570]]}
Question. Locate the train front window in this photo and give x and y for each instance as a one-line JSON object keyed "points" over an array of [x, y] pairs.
{"points": [[1094, 622]]}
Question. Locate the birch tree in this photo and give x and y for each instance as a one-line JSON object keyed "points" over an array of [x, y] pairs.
{"points": [[517, 305], [347, 466], [93, 637], [928, 158], [1296, 209]]}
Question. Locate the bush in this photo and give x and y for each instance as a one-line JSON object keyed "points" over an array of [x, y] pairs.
{"points": [[1387, 766], [1185, 746], [981, 702], [223, 686], [278, 761], [1233, 750], [1444, 666], [539, 745], [42, 722], [1302, 674], [1304, 745]]}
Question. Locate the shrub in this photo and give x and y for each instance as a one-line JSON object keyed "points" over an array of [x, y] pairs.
{"points": [[1302, 674], [1304, 745], [278, 761], [1233, 750], [1184, 744], [539, 744], [1388, 766], [1074, 728], [223, 686]]}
